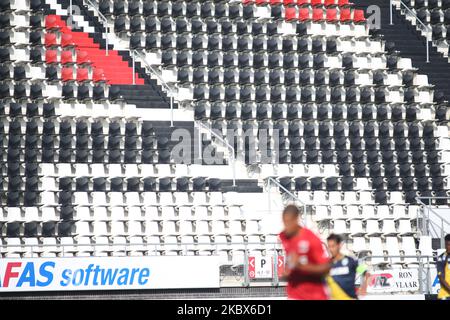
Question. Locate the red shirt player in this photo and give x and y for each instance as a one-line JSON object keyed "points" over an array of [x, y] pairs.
{"points": [[307, 262]]}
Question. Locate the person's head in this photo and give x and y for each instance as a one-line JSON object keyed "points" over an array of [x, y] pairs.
{"points": [[334, 244], [290, 219], [447, 243]]}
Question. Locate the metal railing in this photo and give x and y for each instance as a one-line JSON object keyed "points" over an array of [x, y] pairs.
{"points": [[270, 181], [427, 29], [169, 89], [231, 155], [102, 18], [423, 262], [426, 221]]}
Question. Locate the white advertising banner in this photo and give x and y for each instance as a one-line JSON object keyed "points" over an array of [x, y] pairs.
{"points": [[109, 273], [395, 280]]}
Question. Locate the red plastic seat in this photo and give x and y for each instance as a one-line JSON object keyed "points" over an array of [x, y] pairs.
{"points": [[358, 15], [290, 13], [317, 14], [67, 74], [331, 15], [342, 3], [275, 2], [316, 3], [66, 57], [329, 3], [247, 1], [302, 2], [51, 56], [345, 15], [287, 2], [303, 14], [52, 22], [67, 40], [98, 75], [82, 74], [50, 40], [261, 2], [82, 57]]}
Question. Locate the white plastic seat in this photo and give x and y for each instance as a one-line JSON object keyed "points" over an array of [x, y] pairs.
{"points": [[237, 256], [169, 227], [67, 247], [356, 228], [100, 228], [83, 228], [152, 213], [186, 213], [98, 170], [115, 170], [135, 214], [84, 246], [320, 197], [425, 247], [204, 244], [235, 213], [81, 169], [182, 198], [352, 212], [99, 199], [215, 198], [359, 245], [404, 227], [201, 212], [50, 247], [137, 246], [149, 198], [15, 214], [31, 248], [389, 227], [119, 246], [81, 199], [102, 246], [65, 169], [131, 170], [321, 213], [187, 243], [393, 249], [168, 213], [218, 227], [84, 213], [163, 170], [337, 212], [236, 227], [118, 214], [146, 170], [218, 213], [372, 227], [132, 199], [252, 227], [384, 212], [49, 214], [166, 199], [135, 228], [186, 227], [410, 251], [115, 199], [118, 228], [48, 199], [376, 249], [335, 197], [199, 198], [152, 228], [339, 227], [202, 227]]}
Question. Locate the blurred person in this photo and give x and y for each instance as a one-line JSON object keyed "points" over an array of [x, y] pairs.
{"points": [[307, 262], [344, 271], [443, 271]]}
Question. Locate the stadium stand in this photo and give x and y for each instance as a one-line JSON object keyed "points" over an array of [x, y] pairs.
{"points": [[86, 173]]}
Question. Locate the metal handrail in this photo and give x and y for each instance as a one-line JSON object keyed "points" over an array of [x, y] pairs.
{"points": [[226, 143], [427, 28], [154, 72], [427, 218], [102, 17], [293, 196]]}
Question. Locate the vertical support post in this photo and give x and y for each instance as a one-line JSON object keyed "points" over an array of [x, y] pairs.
{"points": [[428, 49], [442, 233], [132, 59], [246, 277], [275, 267], [107, 39], [390, 12], [70, 8], [200, 151], [420, 275], [234, 169], [269, 187], [171, 109]]}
